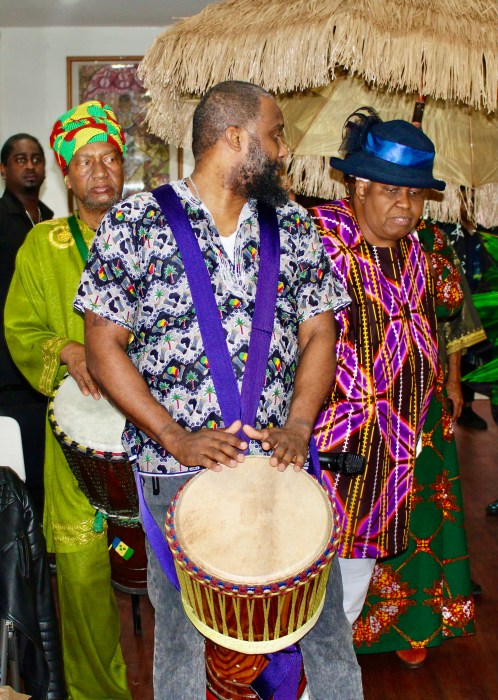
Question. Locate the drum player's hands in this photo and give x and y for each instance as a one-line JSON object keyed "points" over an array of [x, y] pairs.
{"points": [[289, 444], [206, 448], [73, 356]]}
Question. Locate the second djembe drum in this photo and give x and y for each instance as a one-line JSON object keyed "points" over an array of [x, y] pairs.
{"points": [[89, 433]]}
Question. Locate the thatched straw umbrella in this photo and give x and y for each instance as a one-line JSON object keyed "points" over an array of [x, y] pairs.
{"points": [[444, 49]]}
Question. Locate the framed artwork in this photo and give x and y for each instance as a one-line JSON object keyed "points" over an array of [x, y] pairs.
{"points": [[113, 80]]}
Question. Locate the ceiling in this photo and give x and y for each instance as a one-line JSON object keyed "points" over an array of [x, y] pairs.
{"points": [[95, 13]]}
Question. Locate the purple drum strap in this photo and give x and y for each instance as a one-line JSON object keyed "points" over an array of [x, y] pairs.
{"points": [[233, 405], [280, 678], [314, 468], [156, 538], [264, 314]]}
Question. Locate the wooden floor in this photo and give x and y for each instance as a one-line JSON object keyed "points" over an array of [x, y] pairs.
{"points": [[460, 669]]}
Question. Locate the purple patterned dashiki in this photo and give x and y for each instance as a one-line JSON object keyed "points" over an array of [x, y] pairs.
{"points": [[386, 362]]}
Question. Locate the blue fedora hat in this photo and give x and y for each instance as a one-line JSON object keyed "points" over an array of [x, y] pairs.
{"points": [[394, 153]]}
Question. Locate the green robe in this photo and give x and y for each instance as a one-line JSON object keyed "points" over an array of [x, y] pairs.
{"points": [[39, 321]]}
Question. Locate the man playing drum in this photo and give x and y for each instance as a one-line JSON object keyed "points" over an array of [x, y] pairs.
{"points": [[45, 336], [164, 381]]}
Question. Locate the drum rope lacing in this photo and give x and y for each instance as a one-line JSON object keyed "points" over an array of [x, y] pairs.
{"points": [[73, 451]]}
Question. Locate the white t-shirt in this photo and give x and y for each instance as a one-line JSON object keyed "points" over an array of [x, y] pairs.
{"points": [[228, 243]]}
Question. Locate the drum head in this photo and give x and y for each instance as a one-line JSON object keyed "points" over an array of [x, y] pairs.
{"points": [[253, 524], [92, 424]]}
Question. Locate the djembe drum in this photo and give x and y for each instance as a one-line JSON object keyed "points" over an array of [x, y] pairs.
{"points": [[89, 433], [253, 548]]}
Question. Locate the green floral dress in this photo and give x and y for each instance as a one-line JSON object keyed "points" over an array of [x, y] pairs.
{"points": [[421, 597]]}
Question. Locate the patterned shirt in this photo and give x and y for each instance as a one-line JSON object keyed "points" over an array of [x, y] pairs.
{"points": [[135, 277]]}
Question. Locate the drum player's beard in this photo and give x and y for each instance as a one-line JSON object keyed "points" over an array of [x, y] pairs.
{"points": [[258, 178]]}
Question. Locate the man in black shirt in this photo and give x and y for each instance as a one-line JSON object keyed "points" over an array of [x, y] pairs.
{"points": [[23, 169]]}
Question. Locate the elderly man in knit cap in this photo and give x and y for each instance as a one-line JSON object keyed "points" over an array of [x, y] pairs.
{"points": [[45, 337]]}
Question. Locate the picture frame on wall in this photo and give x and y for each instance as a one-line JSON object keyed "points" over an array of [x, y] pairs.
{"points": [[149, 162]]}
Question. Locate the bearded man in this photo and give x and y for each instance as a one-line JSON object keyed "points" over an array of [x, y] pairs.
{"points": [[45, 336], [230, 206]]}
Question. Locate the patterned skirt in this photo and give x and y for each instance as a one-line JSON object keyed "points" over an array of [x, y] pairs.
{"points": [[421, 597]]}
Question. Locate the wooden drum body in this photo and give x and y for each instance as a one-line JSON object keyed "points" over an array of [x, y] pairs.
{"points": [[89, 433], [229, 673], [253, 548]]}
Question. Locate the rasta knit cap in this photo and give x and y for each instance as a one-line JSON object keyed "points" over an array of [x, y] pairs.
{"points": [[86, 123]]}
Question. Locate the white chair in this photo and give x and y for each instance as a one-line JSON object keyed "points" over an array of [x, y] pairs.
{"points": [[11, 453]]}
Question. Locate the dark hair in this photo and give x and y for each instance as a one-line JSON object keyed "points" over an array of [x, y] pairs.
{"points": [[8, 146], [231, 103]]}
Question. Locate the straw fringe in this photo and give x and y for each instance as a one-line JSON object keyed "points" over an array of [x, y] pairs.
{"points": [[445, 49], [313, 177], [447, 207], [486, 205]]}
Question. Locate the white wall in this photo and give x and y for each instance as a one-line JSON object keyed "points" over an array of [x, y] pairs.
{"points": [[33, 82]]}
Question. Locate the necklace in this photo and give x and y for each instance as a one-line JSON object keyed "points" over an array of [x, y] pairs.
{"points": [[30, 217], [196, 191]]}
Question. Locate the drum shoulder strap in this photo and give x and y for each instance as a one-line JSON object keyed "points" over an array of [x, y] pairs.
{"points": [[233, 405]]}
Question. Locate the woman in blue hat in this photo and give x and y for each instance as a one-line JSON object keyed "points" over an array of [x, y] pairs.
{"points": [[368, 431], [419, 597]]}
